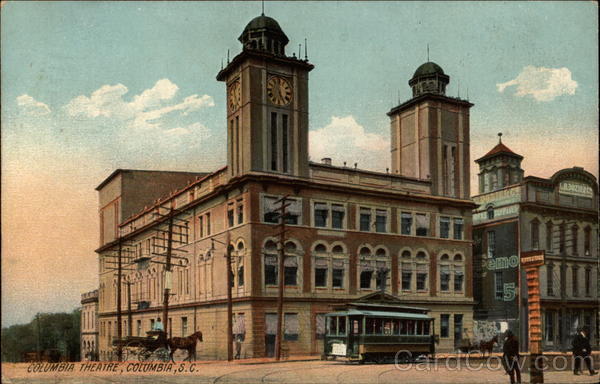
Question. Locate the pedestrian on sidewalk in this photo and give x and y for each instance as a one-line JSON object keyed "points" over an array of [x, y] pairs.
{"points": [[510, 357], [582, 351]]}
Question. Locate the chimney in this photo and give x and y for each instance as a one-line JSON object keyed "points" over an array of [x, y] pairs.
{"points": [[326, 160]]}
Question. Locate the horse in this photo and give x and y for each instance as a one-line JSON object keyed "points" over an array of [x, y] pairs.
{"points": [[488, 346], [188, 343]]}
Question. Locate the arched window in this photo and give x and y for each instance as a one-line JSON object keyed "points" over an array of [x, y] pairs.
{"points": [[338, 249], [381, 252], [290, 262], [320, 248], [365, 251], [490, 212]]}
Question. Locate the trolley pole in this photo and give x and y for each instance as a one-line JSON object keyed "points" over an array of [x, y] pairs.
{"points": [[168, 273], [119, 321], [280, 274], [229, 306]]}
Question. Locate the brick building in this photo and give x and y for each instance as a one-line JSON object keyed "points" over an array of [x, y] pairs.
{"points": [[350, 231], [558, 215]]}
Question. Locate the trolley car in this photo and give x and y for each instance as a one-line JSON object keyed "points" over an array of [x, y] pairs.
{"points": [[376, 332]]}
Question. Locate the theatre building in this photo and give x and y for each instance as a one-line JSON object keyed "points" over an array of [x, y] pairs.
{"points": [[516, 214], [350, 233]]}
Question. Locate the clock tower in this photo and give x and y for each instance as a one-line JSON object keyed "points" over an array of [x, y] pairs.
{"points": [[267, 104]]}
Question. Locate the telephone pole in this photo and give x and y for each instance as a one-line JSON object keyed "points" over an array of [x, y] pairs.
{"points": [[168, 279], [280, 273], [229, 306], [119, 322]]}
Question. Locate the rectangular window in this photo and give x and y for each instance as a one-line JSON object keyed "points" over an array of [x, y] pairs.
{"points": [[550, 280], [273, 141], [535, 235], [574, 233], [337, 276], [184, 326], [321, 273], [588, 282], [587, 240], [444, 325], [406, 276], [491, 244], [291, 327], [293, 211], [284, 134], [406, 223], [138, 328], [365, 279], [208, 224], [549, 237], [270, 215], [241, 276], [338, 212], [381, 220], [444, 278], [239, 327], [459, 225], [290, 271], [444, 227], [365, 219], [499, 285], [270, 270], [549, 326], [561, 235], [321, 211], [459, 277], [240, 212], [575, 284], [422, 224], [422, 277], [230, 215]]}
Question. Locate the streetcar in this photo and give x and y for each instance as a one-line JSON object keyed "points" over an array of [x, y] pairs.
{"points": [[379, 332]]}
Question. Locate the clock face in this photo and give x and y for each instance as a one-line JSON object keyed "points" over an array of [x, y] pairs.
{"points": [[279, 91], [235, 95]]}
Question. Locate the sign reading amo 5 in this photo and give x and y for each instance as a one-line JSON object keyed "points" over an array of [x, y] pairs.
{"points": [[501, 263]]}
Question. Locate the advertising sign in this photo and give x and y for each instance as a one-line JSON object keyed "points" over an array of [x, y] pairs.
{"points": [[532, 259], [338, 349], [575, 188]]}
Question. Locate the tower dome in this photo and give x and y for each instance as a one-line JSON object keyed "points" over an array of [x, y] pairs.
{"points": [[429, 78], [263, 33]]}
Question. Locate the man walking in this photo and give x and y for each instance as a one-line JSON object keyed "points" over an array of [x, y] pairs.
{"points": [[510, 357], [582, 351]]}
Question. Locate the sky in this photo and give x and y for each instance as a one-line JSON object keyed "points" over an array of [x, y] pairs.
{"points": [[88, 87]]}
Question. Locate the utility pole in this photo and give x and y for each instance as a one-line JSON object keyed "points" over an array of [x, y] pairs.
{"points": [[280, 274], [229, 307], [168, 279], [119, 317]]}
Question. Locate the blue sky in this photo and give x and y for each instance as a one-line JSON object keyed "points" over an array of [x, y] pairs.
{"points": [[157, 104]]}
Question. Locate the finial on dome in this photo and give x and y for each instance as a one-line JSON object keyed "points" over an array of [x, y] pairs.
{"points": [[499, 137]]}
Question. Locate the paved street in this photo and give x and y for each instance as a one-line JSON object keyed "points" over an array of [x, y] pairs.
{"points": [[285, 372]]}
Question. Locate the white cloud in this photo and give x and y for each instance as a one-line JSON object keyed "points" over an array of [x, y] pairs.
{"points": [[343, 139], [31, 106], [143, 111], [543, 84]]}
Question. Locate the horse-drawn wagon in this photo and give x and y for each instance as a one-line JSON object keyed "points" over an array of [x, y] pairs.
{"points": [[156, 346]]}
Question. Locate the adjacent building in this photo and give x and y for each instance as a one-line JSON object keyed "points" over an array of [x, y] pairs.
{"points": [[515, 214], [350, 232], [89, 326]]}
